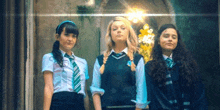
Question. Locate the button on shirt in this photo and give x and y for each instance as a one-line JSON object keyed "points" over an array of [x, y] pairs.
{"points": [[63, 76], [141, 97]]}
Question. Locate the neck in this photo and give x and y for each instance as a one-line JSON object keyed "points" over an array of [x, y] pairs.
{"points": [[119, 47], [167, 53], [69, 52]]}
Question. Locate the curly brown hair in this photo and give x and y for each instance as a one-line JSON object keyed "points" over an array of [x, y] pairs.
{"points": [[187, 65]]}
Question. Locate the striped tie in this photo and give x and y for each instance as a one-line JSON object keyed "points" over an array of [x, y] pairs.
{"points": [[76, 75], [169, 63]]}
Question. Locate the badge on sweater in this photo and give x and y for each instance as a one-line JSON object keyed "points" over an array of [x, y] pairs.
{"points": [[129, 63]]}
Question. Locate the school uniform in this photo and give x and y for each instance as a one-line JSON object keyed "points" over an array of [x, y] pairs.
{"points": [[119, 87], [65, 97], [174, 96]]}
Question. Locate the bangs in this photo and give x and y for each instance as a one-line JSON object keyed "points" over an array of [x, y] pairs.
{"points": [[71, 29]]}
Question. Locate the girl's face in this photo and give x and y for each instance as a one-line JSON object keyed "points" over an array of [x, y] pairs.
{"points": [[168, 40], [119, 32], [67, 41]]}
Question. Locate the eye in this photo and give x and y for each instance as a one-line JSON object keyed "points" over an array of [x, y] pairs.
{"points": [[174, 37], [66, 34], [114, 29], [123, 28], [74, 35], [166, 35]]}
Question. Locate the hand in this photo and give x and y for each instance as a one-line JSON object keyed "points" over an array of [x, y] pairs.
{"points": [[138, 109]]}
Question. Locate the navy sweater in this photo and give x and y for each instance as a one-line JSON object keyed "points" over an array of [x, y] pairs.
{"points": [[118, 81]]}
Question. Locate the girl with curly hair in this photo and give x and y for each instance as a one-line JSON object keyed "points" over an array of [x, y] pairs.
{"points": [[171, 75], [118, 75]]}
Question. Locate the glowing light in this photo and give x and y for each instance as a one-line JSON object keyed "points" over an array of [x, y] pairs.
{"points": [[130, 18], [90, 2], [135, 15], [135, 20]]}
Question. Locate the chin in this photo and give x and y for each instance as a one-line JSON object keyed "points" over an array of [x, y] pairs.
{"points": [[68, 48], [168, 49]]}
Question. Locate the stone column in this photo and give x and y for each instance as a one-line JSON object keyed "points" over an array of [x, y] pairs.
{"points": [[29, 85]]}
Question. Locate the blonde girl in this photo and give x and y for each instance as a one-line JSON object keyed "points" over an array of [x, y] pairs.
{"points": [[118, 74]]}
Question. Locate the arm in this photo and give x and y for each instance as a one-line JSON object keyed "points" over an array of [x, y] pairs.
{"points": [[199, 101], [141, 97], [95, 87], [48, 89], [86, 99], [97, 101], [149, 84], [138, 109]]}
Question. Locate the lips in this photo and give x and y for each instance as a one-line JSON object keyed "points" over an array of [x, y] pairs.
{"points": [[119, 35], [69, 44], [169, 44]]}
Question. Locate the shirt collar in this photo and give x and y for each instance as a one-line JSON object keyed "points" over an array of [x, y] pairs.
{"points": [[165, 57], [125, 50], [63, 53]]}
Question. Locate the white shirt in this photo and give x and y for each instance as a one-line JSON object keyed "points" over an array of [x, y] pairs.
{"points": [[63, 76], [165, 57]]}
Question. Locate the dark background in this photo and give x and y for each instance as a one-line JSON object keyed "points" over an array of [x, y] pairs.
{"points": [[200, 33]]}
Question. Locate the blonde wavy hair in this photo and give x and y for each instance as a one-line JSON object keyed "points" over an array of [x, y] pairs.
{"points": [[132, 43]]}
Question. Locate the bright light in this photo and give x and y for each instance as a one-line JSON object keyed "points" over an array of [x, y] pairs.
{"points": [[139, 15], [135, 20], [130, 18], [90, 2], [135, 15]]}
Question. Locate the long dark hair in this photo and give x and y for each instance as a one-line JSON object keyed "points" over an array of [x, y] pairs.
{"points": [[187, 65], [70, 27]]}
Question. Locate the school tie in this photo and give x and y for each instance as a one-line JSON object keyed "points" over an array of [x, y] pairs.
{"points": [[169, 62], [76, 75], [118, 55]]}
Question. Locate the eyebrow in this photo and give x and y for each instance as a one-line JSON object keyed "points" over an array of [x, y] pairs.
{"points": [[119, 25], [170, 34]]}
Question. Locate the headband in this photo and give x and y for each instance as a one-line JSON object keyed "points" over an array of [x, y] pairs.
{"points": [[67, 21]]}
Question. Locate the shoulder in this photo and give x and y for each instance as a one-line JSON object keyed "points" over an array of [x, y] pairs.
{"points": [[48, 56], [147, 65], [100, 59], [81, 60], [100, 56], [137, 57]]}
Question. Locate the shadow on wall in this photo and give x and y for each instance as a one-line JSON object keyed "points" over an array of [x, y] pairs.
{"points": [[201, 36]]}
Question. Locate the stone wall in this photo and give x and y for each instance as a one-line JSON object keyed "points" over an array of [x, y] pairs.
{"points": [[49, 13], [200, 33]]}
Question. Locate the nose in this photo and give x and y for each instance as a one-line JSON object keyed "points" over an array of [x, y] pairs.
{"points": [[119, 31], [70, 39], [170, 38]]}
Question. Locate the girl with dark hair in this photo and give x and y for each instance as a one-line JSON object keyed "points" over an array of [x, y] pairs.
{"points": [[171, 76], [65, 74], [118, 75]]}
